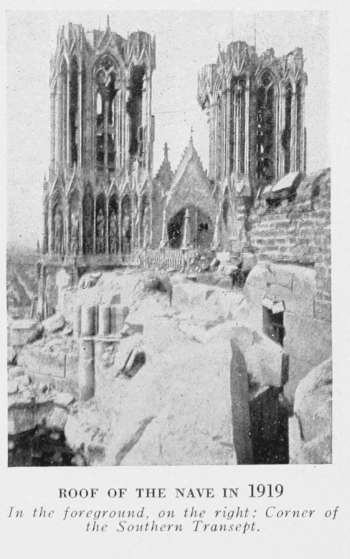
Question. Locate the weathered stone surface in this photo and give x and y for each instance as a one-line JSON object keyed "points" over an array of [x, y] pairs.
{"points": [[64, 399], [311, 430], [50, 359], [11, 356], [189, 293], [24, 331], [266, 362], [57, 418], [176, 410], [14, 372], [54, 323], [12, 387]]}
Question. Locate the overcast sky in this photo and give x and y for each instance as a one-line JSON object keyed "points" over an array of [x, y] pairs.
{"points": [[185, 41]]}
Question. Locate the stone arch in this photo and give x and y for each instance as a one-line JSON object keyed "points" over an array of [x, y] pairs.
{"points": [[145, 220], [200, 228], [225, 208], [106, 75], [126, 224], [100, 230], [57, 232], [88, 221], [73, 222], [113, 224]]}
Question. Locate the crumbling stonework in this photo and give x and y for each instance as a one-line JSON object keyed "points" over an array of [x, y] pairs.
{"points": [[297, 231]]}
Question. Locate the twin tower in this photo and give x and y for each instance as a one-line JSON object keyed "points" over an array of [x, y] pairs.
{"points": [[100, 199]]}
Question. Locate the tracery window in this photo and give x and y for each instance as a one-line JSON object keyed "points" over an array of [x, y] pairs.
{"points": [[300, 131], [73, 111], [218, 137], [106, 88], [265, 129], [136, 110], [286, 136]]}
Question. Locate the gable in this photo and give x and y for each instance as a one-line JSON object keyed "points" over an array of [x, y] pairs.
{"points": [[192, 188]]}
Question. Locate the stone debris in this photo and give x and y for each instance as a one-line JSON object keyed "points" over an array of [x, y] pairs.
{"points": [[64, 399], [54, 323], [11, 356], [162, 391], [12, 387], [311, 426]]}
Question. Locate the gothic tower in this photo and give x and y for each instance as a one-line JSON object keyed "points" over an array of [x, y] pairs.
{"points": [[255, 108], [97, 199]]}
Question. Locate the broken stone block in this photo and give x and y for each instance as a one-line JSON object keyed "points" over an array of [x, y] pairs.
{"points": [[313, 413], [64, 399], [126, 348], [54, 323], [57, 419], [267, 363], [15, 372], [133, 364], [68, 330], [24, 331], [130, 329], [89, 280], [190, 293], [11, 356], [240, 407], [12, 387]]}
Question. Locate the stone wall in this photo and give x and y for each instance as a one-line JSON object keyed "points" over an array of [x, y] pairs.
{"points": [[307, 338], [296, 230]]}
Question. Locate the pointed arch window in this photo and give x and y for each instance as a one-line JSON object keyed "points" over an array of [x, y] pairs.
{"points": [[299, 131], [107, 78], [265, 121], [73, 111], [136, 109], [286, 137]]}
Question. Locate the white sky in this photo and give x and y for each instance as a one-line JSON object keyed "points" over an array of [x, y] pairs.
{"points": [[185, 41]]}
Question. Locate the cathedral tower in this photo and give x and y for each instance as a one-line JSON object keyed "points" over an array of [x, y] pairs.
{"points": [[97, 199], [255, 108]]}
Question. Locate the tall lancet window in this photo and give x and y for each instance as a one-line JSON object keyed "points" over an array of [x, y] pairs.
{"points": [[218, 137], [99, 131], [63, 111], [136, 108], [237, 125], [106, 88], [265, 159], [241, 124], [73, 111], [286, 136], [299, 131]]}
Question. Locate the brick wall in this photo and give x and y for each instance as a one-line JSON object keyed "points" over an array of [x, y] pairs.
{"points": [[297, 231]]}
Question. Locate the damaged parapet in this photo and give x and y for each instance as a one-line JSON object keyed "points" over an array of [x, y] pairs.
{"points": [[95, 325]]}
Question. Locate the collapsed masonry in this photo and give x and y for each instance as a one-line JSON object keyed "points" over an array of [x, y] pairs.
{"points": [[190, 379]]}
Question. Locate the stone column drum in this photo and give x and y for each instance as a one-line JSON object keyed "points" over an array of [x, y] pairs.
{"points": [[104, 320], [86, 372], [77, 322], [88, 321]]}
